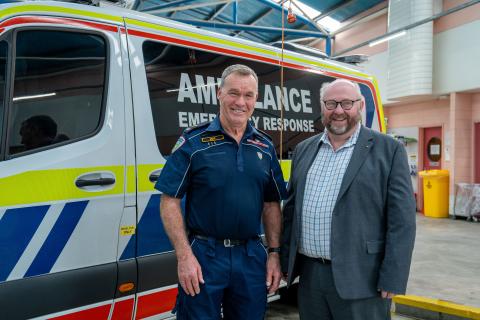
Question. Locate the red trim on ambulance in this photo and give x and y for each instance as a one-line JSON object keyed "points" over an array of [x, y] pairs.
{"points": [[54, 20], [188, 43], [156, 303], [97, 313], [123, 310]]}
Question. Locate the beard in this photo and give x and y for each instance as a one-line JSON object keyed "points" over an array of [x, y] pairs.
{"points": [[340, 129]]}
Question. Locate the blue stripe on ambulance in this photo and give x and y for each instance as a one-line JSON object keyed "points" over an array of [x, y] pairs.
{"points": [[17, 228], [57, 238], [369, 104], [151, 236]]}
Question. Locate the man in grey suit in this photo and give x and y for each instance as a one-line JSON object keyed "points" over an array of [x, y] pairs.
{"points": [[349, 219]]}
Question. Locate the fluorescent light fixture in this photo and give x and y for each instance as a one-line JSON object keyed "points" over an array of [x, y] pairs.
{"points": [[329, 23], [34, 96], [390, 37]]}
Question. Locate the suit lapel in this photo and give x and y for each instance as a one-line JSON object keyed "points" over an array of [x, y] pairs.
{"points": [[360, 152], [310, 155]]}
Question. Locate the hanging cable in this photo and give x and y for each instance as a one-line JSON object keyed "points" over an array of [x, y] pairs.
{"points": [[282, 96]]}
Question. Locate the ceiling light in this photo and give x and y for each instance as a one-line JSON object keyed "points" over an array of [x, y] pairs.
{"points": [[390, 37]]}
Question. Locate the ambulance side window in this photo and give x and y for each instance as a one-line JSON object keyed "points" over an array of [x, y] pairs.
{"points": [[58, 89], [3, 75]]}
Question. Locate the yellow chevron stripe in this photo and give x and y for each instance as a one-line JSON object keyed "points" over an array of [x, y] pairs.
{"points": [[53, 185], [31, 8], [131, 185], [144, 172], [286, 166]]}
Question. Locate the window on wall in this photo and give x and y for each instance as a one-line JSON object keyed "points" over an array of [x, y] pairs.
{"points": [[58, 88], [182, 84], [3, 83]]}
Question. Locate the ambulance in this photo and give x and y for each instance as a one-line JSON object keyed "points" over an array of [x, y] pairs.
{"points": [[92, 101]]}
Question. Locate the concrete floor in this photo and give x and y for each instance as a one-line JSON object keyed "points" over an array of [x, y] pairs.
{"points": [[446, 265], [446, 261]]}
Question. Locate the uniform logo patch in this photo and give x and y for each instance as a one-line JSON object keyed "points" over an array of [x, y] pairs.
{"points": [[260, 155], [258, 143], [213, 138], [178, 144]]}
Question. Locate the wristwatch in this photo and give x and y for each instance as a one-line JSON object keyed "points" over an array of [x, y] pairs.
{"points": [[272, 250]]}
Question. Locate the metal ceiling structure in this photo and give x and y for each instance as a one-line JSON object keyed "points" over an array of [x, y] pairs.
{"points": [[256, 20]]}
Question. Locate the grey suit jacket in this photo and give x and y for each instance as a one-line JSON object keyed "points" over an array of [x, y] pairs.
{"points": [[373, 221]]}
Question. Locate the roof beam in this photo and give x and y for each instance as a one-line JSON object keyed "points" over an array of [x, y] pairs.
{"points": [[333, 9], [255, 19], [243, 27], [167, 7], [316, 25], [278, 7], [218, 12]]}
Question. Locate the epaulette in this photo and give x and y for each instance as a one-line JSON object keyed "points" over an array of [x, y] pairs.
{"points": [[264, 134], [199, 126]]}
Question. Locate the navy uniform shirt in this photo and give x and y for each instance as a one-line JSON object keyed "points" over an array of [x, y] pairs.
{"points": [[225, 183]]}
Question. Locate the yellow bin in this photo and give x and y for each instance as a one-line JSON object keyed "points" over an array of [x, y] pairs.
{"points": [[435, 193]]}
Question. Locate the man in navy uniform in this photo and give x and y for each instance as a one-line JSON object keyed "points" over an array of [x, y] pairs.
{"points": [[231, 177]]}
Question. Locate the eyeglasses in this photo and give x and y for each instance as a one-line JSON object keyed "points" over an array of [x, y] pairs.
{"points": [[345, 104]]}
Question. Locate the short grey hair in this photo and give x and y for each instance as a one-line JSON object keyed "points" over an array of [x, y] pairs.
{"points": [[239, 69], [327, 85]]}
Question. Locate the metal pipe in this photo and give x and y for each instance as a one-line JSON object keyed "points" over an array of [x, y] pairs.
{"points": [[361, 20], [411, 26], [243, 27]]}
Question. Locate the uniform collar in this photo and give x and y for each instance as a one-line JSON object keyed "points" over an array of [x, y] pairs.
{"points": [[215, 125]]}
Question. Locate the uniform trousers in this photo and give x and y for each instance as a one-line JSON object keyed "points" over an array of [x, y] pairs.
{"points": [[318, 298], [235, 282]]}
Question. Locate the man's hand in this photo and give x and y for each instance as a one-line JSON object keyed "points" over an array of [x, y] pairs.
{"points": [[190, 274], [387, 295], [274, 274]]}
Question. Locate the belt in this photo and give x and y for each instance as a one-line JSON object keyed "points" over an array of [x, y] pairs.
{"points": [[319, 260], [226, 242]]}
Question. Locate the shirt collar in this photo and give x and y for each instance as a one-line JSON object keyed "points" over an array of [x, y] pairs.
{"points": [[215, 125], [350, 142]]}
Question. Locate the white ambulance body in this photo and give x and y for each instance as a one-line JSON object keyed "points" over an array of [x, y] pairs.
{"points": [[91, 104]]}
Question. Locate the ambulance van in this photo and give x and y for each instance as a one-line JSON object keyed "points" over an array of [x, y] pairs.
{"points": [[92, 100]]}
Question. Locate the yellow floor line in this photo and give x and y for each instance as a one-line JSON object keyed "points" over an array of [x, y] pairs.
{"points": [[438, 305]]}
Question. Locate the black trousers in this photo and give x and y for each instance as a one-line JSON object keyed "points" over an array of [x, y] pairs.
{"points": [[318, 298]]}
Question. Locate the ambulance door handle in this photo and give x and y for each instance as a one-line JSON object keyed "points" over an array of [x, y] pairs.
{"points": [[154, 175], [95, 181]]}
